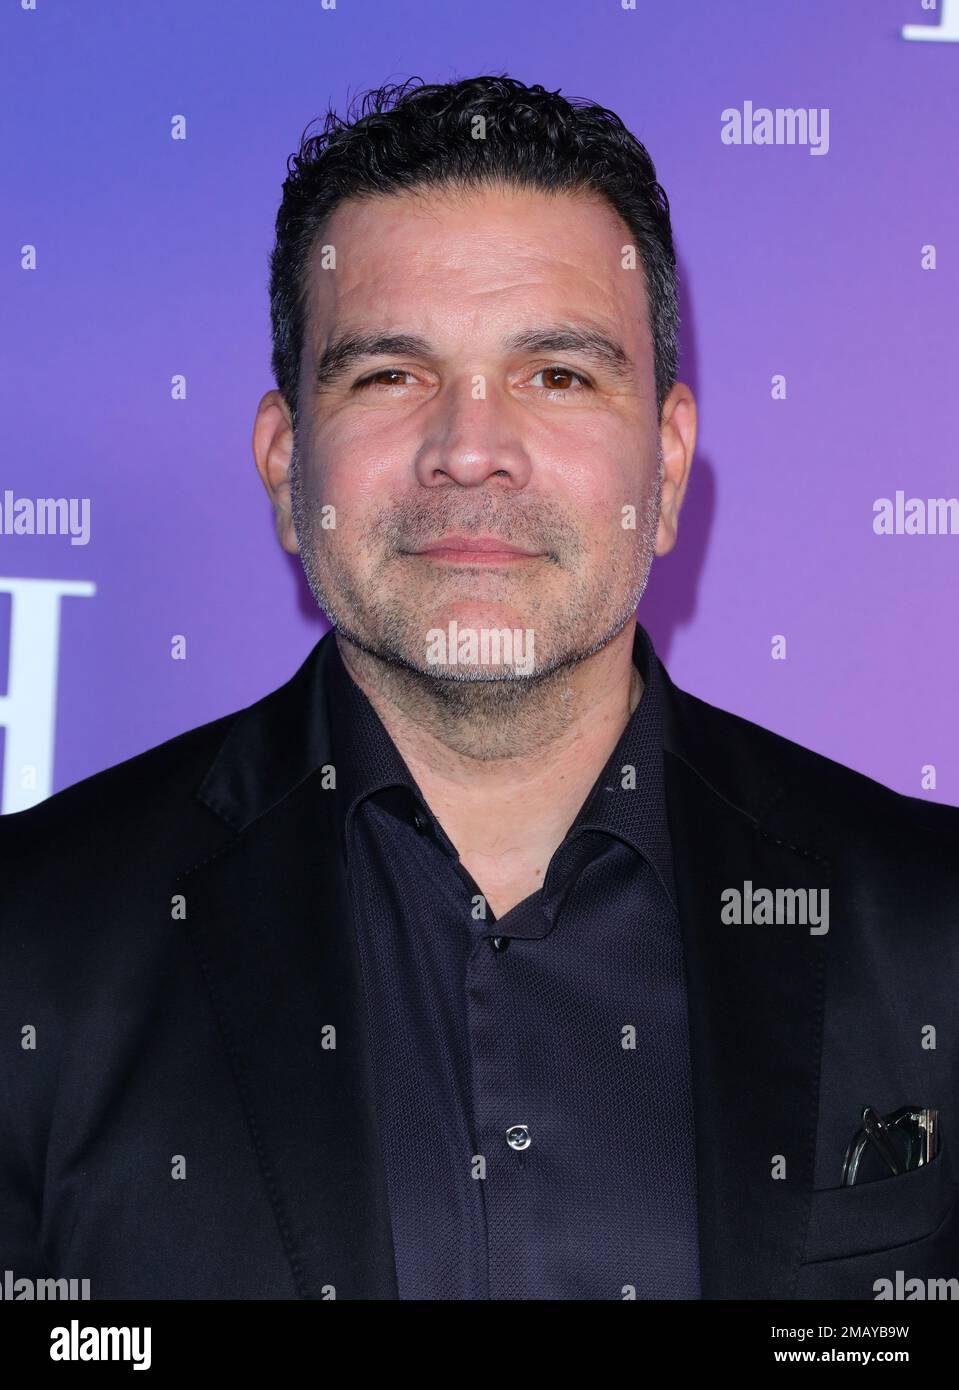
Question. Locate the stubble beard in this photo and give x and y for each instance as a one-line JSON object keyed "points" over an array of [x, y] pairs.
{"points": [[492, 714]]}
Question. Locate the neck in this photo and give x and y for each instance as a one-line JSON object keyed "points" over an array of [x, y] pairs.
{"points": [[505, 765]]}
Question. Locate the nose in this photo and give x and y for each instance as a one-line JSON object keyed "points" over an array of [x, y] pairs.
{"points": [[473, 435]]}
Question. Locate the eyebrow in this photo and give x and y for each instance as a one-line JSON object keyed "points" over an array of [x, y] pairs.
{"points": [[342, 352], [349, 347], [587, 342]]}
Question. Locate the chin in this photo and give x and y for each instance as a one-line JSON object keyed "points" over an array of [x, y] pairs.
{"points": [[471, 612]]}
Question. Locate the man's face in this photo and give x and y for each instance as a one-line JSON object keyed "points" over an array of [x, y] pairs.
{"points": [[474, 430]]}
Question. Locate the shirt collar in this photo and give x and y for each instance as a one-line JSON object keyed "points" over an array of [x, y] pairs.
{"points": [[627, 800]]}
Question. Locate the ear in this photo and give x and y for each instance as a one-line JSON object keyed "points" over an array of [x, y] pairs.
{"points": [[677, 432], [273, 443]]}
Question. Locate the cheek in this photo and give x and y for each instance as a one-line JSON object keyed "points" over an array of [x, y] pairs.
{"points": [[360, 472], [596, 474]]}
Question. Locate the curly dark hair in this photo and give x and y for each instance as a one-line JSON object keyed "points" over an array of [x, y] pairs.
{"points": [[412, 134]]}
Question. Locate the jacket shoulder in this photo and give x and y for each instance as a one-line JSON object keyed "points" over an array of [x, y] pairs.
{"points": [[761, 770], [152, 781]]}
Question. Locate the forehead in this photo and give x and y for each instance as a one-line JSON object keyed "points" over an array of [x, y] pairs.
{"points": [[477, 259]]}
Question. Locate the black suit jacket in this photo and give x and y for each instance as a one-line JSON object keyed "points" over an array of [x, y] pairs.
{"points": [[176, 932]]}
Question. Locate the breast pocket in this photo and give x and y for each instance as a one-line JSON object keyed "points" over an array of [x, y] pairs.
{"points": [[905, 1225]]}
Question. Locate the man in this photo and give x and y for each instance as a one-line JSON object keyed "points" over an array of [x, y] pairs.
{"points": [[478, 961]]}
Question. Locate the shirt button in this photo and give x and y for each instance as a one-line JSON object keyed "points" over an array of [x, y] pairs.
{"points": [[499, 943], [420, 821], [517, 1136]]}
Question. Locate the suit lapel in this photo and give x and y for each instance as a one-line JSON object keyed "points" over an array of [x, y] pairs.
{"points": [[755, 1007], [269, 917]]}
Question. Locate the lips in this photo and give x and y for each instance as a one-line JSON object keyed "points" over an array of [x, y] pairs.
{"points": [[478, 545]]}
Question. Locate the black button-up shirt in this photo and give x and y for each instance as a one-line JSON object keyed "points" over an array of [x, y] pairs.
{"points": [[531, 1072]]}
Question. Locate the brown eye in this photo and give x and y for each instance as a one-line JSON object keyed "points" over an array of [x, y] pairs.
{"points": [[384, 371], [560, 378]]}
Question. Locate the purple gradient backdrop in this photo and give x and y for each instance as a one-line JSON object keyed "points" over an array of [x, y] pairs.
{"points": [[153, 261]]}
